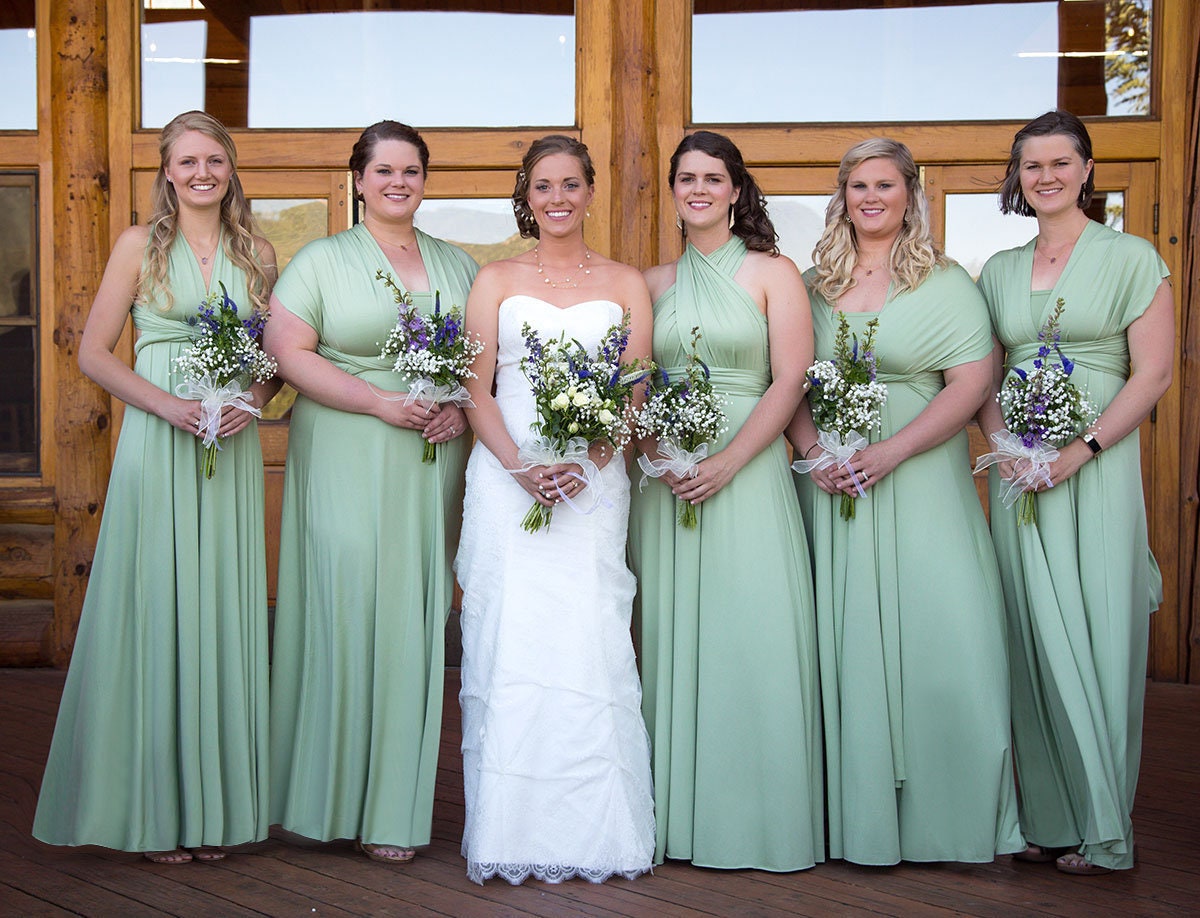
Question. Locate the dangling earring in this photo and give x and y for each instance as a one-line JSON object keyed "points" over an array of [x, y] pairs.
{"points": [[588, 214], [679, 223], [731, 219]]}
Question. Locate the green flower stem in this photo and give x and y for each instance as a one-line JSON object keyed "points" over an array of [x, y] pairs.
{"points": [[537, 518], [686, 516], [848, 506]]}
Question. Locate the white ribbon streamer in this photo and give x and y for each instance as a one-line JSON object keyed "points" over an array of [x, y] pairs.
{"points": [[835, 451], [213, 400], [677, 460], [540, 451], [1010, 446], [425, 389]]}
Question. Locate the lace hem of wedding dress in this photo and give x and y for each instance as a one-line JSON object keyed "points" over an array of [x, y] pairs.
{"points": [[516, 874]]}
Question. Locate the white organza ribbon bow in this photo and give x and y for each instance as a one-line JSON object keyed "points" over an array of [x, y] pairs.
{"points": [[1009, 446], [540, 451], [425, 389], [213, 400], [677, 460], [835, 451]]}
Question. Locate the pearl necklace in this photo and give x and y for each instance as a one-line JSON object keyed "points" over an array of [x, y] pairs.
{"points": [[568, 282]]}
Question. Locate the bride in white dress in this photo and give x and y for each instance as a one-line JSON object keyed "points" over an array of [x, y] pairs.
{"points": [[556, 759]]}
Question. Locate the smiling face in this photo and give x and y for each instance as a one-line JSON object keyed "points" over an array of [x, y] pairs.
{"points": [[559, 194], [1052, 174], [703, 191], [199, 169], [392, 184], [876, 199]]}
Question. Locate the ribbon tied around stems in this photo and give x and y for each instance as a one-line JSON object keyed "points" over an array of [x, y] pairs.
{"points": [[837, 452], [1010, 446], [213, 400], [677, 460], [541, 451], [425, 389]]}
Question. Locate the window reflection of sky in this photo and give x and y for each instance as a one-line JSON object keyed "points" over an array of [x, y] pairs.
{"points": [[932, 63], [431, 69], [18, 69]]}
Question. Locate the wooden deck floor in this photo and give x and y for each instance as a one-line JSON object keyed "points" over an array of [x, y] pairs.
{"points": [[292, 877]]}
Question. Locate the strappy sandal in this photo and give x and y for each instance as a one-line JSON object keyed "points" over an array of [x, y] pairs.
{"points": [[177, 856], [385, 854], [1039, 854], [1081, 867], [209, 854]]}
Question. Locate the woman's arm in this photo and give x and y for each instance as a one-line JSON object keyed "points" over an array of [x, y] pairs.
{"points": [[483, 320], [967, 385], [1151, 354], [106, 321], [789, 334], [293, 343], [234, 420]]}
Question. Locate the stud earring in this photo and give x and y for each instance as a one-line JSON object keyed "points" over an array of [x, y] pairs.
{"points": [[588, 214]]}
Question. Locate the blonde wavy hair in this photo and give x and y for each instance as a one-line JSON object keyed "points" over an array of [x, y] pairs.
{"points": [[914, 254], [236, 219]]}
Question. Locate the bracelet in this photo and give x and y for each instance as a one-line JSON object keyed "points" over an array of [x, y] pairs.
{"points": [[810, 449], [1092, 443]]}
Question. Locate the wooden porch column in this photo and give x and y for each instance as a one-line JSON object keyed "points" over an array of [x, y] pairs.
{"points": [[78, 147], [636, 184]]}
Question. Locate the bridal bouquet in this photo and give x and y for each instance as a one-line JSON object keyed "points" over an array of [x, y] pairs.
{"points": [[846, 404], [227, 354], [433, 351], [580, 396], [685, 415], [1043, 410]]}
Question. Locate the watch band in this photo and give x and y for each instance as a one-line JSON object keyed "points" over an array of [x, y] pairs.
{"points": [[1092, 443]]}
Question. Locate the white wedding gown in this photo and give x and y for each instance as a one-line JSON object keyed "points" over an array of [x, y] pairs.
{"points": [[556, 758]]}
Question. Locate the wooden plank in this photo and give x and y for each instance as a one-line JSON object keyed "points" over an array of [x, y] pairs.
{"points": [[15, 902], [24, 627], [18, 149], [26, 550], [484, 148], [79, 128], [27, 505]]}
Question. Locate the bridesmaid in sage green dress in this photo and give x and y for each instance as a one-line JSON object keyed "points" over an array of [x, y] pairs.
{"points": [[161, 740], [368, 528], [1080, 583], [910, 615], [730, 692]]}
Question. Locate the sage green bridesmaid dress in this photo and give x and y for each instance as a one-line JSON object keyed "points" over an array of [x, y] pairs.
{"points": [[730, 691], [910, 616], [161, 739], [1080, 584], [364, 568]]}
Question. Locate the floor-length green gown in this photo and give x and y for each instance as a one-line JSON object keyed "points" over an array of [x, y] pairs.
{"points": [[161, 739], [910, 614], [364, 569], [728, 649], [1081, 583]]}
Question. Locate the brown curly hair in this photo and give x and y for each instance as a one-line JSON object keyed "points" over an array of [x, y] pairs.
{"points": [[539, 150]]}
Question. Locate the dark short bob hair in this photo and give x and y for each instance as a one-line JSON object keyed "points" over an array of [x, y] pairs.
{"points": [[1012, 200]]}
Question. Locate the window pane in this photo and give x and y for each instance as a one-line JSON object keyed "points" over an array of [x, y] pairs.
{"points": [[920, 60], [799, 219], [251, 66], [288, 223], [976, 230], [18, 74], [18, 327], [484, 227]]}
